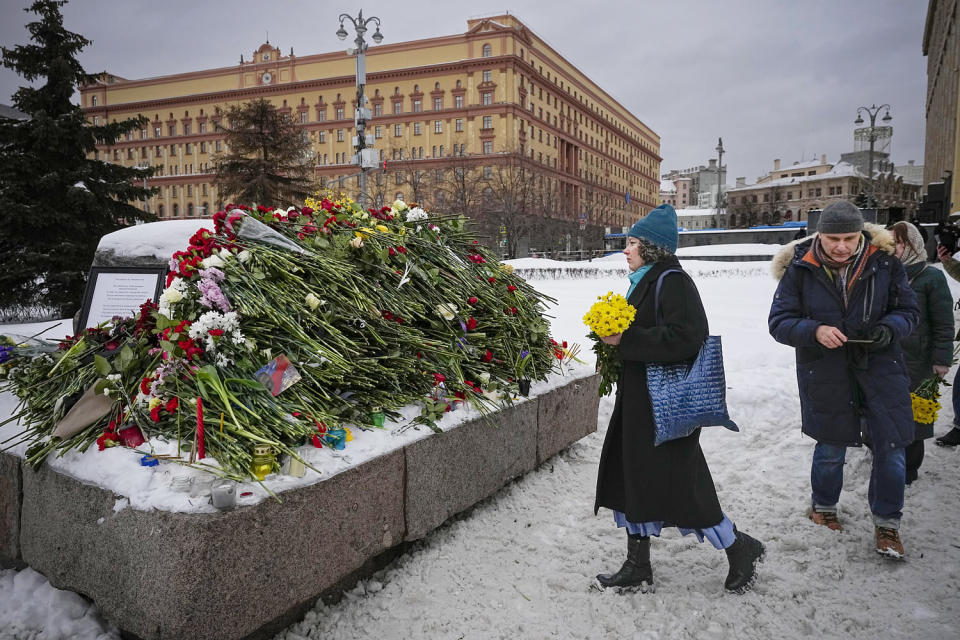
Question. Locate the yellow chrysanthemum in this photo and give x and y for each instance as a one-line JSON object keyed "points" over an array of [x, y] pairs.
{"points": [[609, 315]]}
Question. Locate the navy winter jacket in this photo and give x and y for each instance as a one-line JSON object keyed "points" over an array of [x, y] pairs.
{"points": [[852, 387]]}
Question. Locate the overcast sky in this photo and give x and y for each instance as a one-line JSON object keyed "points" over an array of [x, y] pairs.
{"points": [[775, 79]]}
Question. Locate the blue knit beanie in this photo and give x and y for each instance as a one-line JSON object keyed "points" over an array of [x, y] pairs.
{"points": [[659, 227]]}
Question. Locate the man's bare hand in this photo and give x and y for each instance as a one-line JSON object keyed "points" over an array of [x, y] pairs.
{"points": [[943, 254], [941, 370], [830, 337], [613, 339]]}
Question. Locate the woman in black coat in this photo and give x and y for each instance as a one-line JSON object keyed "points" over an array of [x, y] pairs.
{"points": [[651, 487]]}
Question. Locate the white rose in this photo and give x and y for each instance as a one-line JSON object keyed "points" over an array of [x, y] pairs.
{"points": [[357, 242], [243, 256], [212, 261], [399, 205], [171, 295], [484, 378], [312, 301], [447, 310]]}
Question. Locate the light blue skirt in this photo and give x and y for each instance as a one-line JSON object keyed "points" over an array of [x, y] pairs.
{"points": [[720, 535]]}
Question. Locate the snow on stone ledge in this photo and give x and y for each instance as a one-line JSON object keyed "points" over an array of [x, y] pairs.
{"points": [[159, 239]]}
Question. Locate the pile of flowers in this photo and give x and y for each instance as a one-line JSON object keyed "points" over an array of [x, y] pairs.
{"points": [[609, 315], [286, 327]]}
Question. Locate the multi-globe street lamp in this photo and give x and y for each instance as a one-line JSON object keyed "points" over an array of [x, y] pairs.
{"points": [[365, 157], [872, 133]]}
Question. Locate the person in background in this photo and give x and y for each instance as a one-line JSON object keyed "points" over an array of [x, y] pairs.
{"points": [[929, 349], [952, 437], [844, 304], [650, 487]]}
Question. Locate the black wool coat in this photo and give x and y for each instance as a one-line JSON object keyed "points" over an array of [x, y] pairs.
{"points": [[669, 483]]}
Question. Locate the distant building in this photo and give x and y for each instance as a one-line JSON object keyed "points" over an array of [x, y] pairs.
{"points": [[701, 188], [668, 193], [696, 219], [493, 95], [912, 173], [786, 194]]}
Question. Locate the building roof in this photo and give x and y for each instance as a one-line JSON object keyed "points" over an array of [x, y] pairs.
{"points": [[809, 164], [6, 111], [839, 170], [690, 213], [667, 186]]}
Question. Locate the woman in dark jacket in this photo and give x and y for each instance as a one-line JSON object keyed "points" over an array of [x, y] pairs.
{"points": [[928, 350], [650, 487]]}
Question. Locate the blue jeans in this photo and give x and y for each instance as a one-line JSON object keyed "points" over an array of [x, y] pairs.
{"points": [[887, 476]]}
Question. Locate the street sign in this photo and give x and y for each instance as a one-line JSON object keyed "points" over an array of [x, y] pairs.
{"points": [[583, 221]]}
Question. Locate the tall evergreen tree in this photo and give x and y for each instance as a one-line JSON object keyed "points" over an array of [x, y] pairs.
{"points": [[56, 202], [269, 159]]}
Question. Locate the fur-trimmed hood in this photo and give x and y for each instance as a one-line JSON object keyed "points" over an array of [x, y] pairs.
{"points": [[879, 237]]}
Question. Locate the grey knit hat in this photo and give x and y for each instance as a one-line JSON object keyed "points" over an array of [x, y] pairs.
{"points": [[840, 217]]}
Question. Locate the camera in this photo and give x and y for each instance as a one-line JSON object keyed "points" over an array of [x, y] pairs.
{"points": [[947, 235]]}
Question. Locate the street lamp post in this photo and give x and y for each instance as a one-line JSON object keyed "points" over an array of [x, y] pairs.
{"points": [[873, 132], [365, 158], [719, 150]]}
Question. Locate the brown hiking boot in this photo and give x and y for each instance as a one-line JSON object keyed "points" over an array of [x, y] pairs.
{"points": [[826, 519], [888, 543]]}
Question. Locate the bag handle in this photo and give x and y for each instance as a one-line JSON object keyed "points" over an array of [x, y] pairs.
{"points": [[656, 294]]}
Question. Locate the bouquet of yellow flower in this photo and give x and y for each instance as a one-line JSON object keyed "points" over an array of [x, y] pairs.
{"points": [[926, 400], [609, 315]]}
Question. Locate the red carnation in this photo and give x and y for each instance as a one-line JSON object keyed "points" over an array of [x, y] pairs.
{"points": [[471, 324], [172, 404], [491, 280], [488, 356], [511, 288], [472, 300], [216, 333]]}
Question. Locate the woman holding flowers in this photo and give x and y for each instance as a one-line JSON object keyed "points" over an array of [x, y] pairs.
{"points": [[650, 487], [928, 351]]}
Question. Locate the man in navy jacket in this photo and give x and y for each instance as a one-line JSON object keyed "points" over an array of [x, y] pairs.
{"points": [[844, 303]]}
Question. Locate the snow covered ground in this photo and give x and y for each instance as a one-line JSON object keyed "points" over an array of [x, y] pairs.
{"points": [[519, 565]]}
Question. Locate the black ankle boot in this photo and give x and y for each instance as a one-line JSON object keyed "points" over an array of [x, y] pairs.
{"points": [[743, 556], [952, 438], [636, 570]]}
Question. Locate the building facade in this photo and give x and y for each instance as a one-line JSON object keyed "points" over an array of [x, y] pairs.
{"points": [[492, 96], [787, 193], [700, 190], [941, 46]]}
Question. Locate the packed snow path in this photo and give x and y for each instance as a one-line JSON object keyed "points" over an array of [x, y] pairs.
{"points": [[520, 564]]}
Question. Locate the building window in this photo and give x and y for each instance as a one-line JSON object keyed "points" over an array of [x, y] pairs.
{"points": [[203, 191], [398, 178], [437, 104], [417, 128], [487, 97], [186, 128], [487, 75], [339, 135], [322, 116], [789, 195], [322, 135], [397, 108], [156, 132], [458, 125], [398, 130], [172, 130], [417, 106], [488, 122], [303, 117], [458, 102], [487, 173], [378, 109], [203, 127], [339, 113], [93, 101], [437, 126], [487, 51], [176, 210], [189, 148], [189, 189], [203, 147], [378, 132], [488, 146], [173, 191], [441, 151]]}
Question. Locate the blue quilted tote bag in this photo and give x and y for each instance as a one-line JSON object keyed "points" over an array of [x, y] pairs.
{"points": [[688, 395]]}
